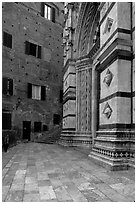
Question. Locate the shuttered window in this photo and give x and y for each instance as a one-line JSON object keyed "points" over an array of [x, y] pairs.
{"points": [[32, 49], [6, 121], [48, 12], [7, 39], [36, 92], [7, 86]]}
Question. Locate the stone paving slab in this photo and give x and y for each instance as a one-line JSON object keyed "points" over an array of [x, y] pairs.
{"points": [[31, 197], [34, 172], [14, 196], [5, 190]]}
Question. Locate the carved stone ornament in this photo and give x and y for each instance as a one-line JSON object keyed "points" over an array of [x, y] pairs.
{"points": [[108, 78], [107, 110], [108, 25]]}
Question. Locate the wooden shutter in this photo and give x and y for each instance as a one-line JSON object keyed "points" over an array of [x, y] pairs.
{"points": [[39, 51], [4, 38], [9, 41], [4, 85], [43, 94], [27, 48], [53, 15], [6, 121], [11, 87], [61, 96], [42, 9], [29, 90]]}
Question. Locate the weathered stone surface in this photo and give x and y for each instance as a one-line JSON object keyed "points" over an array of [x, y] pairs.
{"points": [[25, 23], [103, 57], [71, 177], [34, 197], [15, 196]]}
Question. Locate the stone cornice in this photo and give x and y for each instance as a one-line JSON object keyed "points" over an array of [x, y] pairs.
{"points": [[85, 63]]}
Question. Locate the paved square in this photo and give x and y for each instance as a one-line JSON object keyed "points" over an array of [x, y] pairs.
{"points": [[35, 172]]}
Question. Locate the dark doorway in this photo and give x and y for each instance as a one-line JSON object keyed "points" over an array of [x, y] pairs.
{"points": [[26, 130]]}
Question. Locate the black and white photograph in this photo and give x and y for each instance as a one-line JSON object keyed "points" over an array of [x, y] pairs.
{"points": [[68, 101]]}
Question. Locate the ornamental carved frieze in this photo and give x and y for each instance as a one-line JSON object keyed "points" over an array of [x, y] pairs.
{"points": [[107, 110], [108, 78]]}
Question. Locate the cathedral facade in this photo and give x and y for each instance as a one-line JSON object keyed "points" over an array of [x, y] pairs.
{"points": [[99, 81]]}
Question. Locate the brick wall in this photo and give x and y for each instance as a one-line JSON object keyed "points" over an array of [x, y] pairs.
{"points": [[24, 22]]}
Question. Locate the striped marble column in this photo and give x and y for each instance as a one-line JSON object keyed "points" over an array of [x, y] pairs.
{"points": [[83, 136]]}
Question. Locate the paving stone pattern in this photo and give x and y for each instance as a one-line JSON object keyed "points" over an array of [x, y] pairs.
{"points": [[36, 172]]}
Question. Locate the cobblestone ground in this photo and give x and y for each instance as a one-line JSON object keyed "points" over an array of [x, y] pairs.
{"points": [[41, 172]]}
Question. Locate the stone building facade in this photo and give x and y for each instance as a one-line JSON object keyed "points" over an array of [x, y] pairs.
{"points": [[32, 62], [99, 81]]}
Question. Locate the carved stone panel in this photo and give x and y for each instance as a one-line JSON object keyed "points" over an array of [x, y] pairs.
{"points": [[108, 78], [107, 110]]}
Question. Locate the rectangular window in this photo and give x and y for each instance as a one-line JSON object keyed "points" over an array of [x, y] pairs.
{"points": [[56, 119], [48, 12], [37, 126], [6, 121], [36, 92], [7, 39], [7, 86], [32, 49]]}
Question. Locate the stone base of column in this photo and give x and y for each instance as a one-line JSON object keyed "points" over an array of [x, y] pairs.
{"points": [[112, 149], [131, 161], [74, 139], [66, 138]]}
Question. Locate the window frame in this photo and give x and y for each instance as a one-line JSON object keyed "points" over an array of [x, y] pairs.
{"points": [[42, 94], [7, 86], [28, 50], [52, 15], [34, 92]]}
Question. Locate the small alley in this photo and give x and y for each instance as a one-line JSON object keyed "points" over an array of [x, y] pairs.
{"points": [[37, 172]]}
